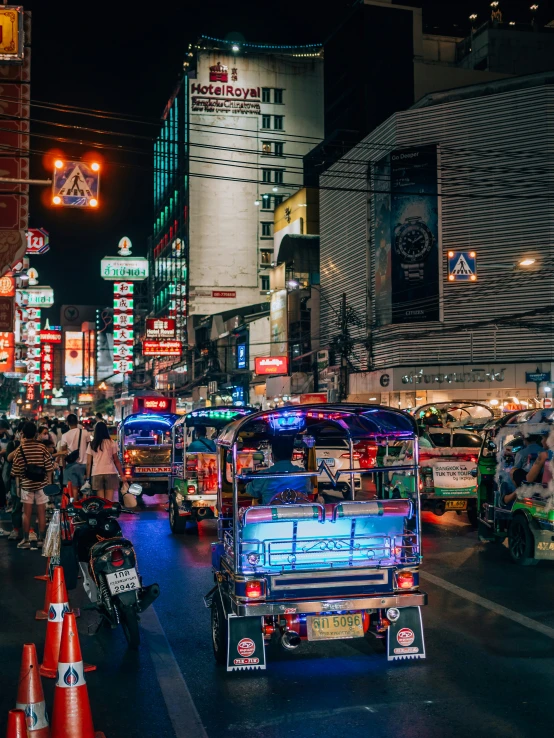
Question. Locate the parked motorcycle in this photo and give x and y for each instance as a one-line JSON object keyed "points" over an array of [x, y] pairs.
{"points": [[109, 566]]}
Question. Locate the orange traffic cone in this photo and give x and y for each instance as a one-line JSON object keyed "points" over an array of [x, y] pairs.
{"points": [[30, 697], [57, 608], [45, 577], [71, 716], [43, 614], [16, 724]]}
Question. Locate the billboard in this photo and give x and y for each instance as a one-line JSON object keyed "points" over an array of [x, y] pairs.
{"points": [[278, 323], [160, 328], [73, 359], [162, 348], [406, 243]]}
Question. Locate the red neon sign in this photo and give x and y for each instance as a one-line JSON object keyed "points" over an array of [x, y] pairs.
{"points": [[154, 404], [47, 336], [162, 348], [272, 364]]}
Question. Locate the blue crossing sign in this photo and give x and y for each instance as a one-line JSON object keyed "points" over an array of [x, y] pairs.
{"points": [[75, 184], [462, 266]]}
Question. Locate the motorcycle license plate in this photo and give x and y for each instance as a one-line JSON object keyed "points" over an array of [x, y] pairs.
{"points": [[327, 627], [455, 505], [123, 581]]}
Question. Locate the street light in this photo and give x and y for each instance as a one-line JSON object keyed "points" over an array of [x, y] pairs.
{"points": [[95, 166], [58, 164], [528, 261], [235, 47], [57, 200]]}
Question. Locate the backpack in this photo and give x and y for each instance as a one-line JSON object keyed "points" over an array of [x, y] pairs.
{"points": [[33, 472]]}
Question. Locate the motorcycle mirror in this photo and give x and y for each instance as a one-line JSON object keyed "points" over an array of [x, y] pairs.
{"points": [[135, 489]]}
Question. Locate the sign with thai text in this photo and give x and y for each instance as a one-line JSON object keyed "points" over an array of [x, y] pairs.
{"points": [[272, 365]]}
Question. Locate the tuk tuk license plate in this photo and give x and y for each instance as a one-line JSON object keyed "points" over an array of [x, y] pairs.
{"points": [[123, 581], [327, 627], [455, 505]]}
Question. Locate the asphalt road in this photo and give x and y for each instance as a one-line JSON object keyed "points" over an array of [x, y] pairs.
{"points": [[489, 631]]}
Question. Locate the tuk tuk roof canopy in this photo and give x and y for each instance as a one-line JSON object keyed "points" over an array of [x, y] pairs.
{"points": [[149, 419], [214, 417], [354, 421]]}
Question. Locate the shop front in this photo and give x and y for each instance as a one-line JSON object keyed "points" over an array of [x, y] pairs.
{"points": [[504, 386]]}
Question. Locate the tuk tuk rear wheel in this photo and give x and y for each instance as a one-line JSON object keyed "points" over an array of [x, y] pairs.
{"points": [[176, 522], [220, 630], [472, 514], [521, 543]]}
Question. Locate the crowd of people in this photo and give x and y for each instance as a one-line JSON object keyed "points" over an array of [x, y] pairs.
{"points": [[54, 451]]}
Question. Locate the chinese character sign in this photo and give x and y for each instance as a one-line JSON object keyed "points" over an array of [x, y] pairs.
{"points": [[123, 333]]}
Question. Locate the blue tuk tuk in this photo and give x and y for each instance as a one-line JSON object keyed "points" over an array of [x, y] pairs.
{"points": [[292, 566]]}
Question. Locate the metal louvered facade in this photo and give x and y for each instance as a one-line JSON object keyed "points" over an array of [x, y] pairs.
{"points": [[496, 175]]}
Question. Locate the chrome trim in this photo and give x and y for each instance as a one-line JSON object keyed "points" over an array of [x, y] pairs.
{"points": [[316, 606]]}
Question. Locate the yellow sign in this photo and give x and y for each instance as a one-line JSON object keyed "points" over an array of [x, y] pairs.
{"points": [[11, 32]]}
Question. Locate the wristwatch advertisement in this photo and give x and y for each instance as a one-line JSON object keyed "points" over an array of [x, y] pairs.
{"points": [[413, 241]]}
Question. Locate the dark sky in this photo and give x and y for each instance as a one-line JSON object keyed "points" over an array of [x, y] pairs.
{"points": [[125, 57]]}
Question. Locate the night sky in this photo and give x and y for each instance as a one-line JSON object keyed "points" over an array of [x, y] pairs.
{"points": [[126, 57]]}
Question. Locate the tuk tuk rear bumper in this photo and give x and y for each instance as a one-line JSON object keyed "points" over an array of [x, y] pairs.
{"points": [[310, 607]]}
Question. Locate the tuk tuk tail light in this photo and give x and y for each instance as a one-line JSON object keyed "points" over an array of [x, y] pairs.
{"points": [[191, 489], [254, 589], [126, 457], [128, 471], [404, 580]]}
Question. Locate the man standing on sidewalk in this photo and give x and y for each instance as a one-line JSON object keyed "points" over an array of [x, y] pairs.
{"points": [[31, 462], [75, 442]]}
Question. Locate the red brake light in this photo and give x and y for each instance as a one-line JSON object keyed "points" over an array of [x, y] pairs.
{"points": [[254, 589], [404, 580], [117, 557], [126, 457], [128, 471], [191, 489], [356, 455]]}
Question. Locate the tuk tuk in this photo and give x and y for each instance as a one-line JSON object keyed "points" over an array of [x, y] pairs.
{"points": [[290, 566], [144, 441], [450, 440], [509, 507], [193, 477]]}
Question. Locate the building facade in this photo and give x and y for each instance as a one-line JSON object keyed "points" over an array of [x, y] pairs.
{"points": [[230, 151], [463, 171]]}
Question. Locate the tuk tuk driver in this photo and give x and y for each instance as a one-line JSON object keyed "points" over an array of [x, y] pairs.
{"points": [[201, 443], [265, 489]]}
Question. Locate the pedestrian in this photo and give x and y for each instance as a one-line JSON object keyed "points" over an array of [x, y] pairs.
{"points": [[103, 464], [32, 466], [75, 442]]}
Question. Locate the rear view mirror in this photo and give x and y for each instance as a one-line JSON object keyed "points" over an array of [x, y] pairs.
{"points": [[473, 473], [135, 489], [491, 445]]}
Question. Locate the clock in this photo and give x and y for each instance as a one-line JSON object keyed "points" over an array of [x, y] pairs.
{"points": [[413, 241]]}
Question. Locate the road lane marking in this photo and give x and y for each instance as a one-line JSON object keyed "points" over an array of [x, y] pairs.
{"points": [[178, 701], [505, 612]]}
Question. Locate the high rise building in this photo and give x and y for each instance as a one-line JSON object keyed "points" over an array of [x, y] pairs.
{"points": [[230, 150]]}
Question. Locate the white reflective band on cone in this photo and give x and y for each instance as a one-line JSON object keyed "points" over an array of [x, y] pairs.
{"points": [[70, 675], [35, 715], [56, 611]]}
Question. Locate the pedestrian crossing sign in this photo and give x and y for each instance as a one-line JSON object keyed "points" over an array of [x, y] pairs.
{"points": [[75, 184], [462, 266]]}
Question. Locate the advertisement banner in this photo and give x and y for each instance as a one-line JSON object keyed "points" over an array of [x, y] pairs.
{"points": [[407, 264], [278, 323], [73, 369], [7, 352]]}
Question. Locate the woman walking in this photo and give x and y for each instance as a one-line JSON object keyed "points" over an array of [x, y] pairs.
{"points": [[103, 465]]}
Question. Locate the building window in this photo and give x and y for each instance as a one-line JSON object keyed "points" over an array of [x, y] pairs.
{"points": [[266, 257], [264, 282], [278, 122], [266, 94], [266, 173], [266, 147], [278, 148], [267, 228], [278, 174], [266, 202], [266, 121], [278, 199], [278, 96]]}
